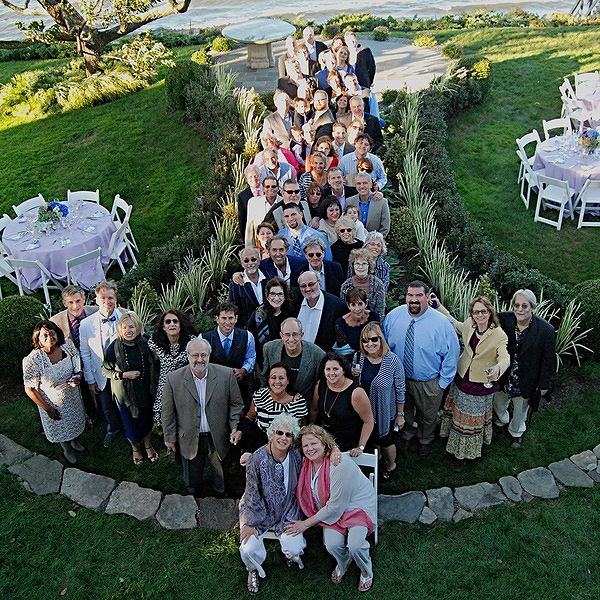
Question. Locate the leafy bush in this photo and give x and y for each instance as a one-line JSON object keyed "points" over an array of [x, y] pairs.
{"points": [[267, 99], [402, 231], [586, 293], [360, 22], [381, 33], [425, 40], [452, 51], [142, 55], [330, 30], [388, 97], [177, 79], [395, 150], [222, 44], [202, 57], [25, 312]]}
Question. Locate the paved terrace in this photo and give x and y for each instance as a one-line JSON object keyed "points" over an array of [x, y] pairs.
{"points": [[399, 64]]}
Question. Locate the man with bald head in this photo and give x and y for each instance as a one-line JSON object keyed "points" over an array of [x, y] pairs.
{"points": [[201, 409]]}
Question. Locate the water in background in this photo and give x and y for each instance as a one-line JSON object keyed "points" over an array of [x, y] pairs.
{"points": [[206, 13]]}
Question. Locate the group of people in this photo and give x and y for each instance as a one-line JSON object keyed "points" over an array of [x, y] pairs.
{"points": [[303, 351]]}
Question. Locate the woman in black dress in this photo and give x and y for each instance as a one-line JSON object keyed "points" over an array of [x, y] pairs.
{"points": [[340, 406]]}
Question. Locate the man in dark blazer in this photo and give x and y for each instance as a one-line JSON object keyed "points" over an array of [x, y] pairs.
{"points": [[364, 66], [318, 311], [279, 264], [314, 47], [531, 346], [329, 272], [252, 174], [250, 295], [336, 187], [303, 358], [201, 409], [372, 125]]}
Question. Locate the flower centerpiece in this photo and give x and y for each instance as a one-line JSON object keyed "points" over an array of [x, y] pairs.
{"points": [[49, 215], [588, 140]]}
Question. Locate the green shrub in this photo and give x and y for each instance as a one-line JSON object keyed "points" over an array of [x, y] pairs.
{"points": [[402, 231], [452, 51], [267, 100], [202, 57], [177, 79], [18, 316], [329, 31], [222, 44], [381, 33], [425, 40], [586, 293], [395, 151]]}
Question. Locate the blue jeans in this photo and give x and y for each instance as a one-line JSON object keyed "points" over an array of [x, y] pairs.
{"points": [[110, 410]]}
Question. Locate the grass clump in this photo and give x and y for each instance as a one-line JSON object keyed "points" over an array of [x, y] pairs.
{"points": [[452, 51], [425, 40]]}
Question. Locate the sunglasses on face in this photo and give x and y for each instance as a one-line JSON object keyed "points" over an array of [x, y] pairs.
{"points": [[292, 191], [286, 433], [269, 187], [346, 230], [314, 254], [169, 321], [249, 260], [373, 339]]}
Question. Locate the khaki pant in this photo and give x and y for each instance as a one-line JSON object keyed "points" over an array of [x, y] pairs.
{"points": [[517, 425], [423, 400]]}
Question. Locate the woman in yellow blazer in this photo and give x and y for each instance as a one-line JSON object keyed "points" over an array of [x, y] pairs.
{"points": [[467, 417]]}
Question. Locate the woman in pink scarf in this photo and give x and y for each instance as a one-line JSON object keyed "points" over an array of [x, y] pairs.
{"points": [[338, 498]]}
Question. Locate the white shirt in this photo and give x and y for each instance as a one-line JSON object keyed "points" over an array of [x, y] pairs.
{"points": [[201, 390], [288, 271], [339, 150], [310, 317], [108, 331], [257, 287], [321, 275]]}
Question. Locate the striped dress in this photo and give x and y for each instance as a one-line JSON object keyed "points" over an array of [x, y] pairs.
{"points": [[267, 409]]}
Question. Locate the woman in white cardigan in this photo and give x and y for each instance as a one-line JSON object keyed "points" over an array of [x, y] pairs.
{"points": [[468, 411]]}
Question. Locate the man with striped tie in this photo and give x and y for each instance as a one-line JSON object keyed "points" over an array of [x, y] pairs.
{"points": [[428, 347]]}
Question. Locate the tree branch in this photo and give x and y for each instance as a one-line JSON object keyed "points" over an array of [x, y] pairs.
{"points": [[24, 10]]}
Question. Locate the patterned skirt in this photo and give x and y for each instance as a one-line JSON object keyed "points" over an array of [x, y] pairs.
{"points": [[467, 423]]}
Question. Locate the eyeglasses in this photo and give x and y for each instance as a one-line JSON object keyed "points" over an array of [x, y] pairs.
{"points": [[169, 321], [268, 187], [483, 311], [203, 356], [524, 305], [286, 433], [293, 334], [292, 191], [346, 230], [248, 260], [303, 286], [276, 294], [360, 263], [373, 339], [314, 254]]}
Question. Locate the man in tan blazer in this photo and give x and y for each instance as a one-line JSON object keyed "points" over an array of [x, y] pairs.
{"points": [[278, 123], [201, 408]]}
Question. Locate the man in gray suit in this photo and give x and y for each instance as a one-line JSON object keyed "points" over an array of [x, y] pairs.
{"points": [[201, 408], [303, 358], [279, 123], [73, 298]]}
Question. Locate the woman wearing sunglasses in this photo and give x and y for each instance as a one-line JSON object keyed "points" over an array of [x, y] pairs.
{"points": [[346, 241], [468, 411], [381, 375], [172, 332]]}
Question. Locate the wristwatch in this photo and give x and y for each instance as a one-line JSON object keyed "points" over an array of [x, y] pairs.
{"points": [[400, 414], [361, 448]]}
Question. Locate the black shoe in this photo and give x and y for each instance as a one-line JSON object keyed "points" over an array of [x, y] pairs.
{"points": [[404, 444], [387, 475], [109, 439], [516, 442], [498, 429], [424, 450]]}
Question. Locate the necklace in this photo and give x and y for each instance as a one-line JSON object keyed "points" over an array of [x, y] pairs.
{"points": [[174, 348], [128, 366], [480, 333], [328, 412], [278, 463]]}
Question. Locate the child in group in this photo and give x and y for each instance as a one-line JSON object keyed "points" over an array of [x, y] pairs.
{"points": [[302, 112], [299, 148], [353, 213]]}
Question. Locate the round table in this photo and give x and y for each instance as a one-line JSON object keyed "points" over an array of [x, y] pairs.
{"points": [[259, 34], [589, 95], [90, 227], [561, 158]]}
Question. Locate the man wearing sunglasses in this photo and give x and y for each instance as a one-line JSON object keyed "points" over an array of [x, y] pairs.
{"points": [[250, 294], [330, 273], [296, 232], [291, 194]]}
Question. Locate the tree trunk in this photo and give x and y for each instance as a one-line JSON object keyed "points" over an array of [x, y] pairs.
{"points": [[90, 47]]}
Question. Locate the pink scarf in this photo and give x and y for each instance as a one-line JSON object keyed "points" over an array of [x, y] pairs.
{"points": [[351, 518]]}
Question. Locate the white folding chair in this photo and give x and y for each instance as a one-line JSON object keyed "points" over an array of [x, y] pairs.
{"points": [[48, 280], [572, 108], [529, 178], [94, 258], [117, 247], [5, 269], [522, 143], [120, 204], [585, 78], [84, 195], [589, 197], [371, 461], [555, 194], [29, 204], [563, 123]]}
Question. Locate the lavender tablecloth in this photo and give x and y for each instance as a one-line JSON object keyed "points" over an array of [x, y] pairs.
{"points": [[91, 228], [556, 155]]}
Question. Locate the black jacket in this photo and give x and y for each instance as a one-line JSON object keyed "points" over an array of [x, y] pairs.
{"points": [[334, 277], [333, 309]]}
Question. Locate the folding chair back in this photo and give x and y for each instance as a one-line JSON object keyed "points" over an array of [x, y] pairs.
{"points": [[83, 195], [589, 198], [28, 204]]}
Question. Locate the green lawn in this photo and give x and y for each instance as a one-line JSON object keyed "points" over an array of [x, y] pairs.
{"points": [[528, 66], [542, 549]]}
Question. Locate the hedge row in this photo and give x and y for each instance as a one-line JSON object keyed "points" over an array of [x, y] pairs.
{"points": [[463, 236]]}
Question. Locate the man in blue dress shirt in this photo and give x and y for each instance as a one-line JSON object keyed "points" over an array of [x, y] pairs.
{"points": [[428, 347]]}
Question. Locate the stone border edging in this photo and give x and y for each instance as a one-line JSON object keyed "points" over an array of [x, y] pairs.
{"points": [[40, 475]]}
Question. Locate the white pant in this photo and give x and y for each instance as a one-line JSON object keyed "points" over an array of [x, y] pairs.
{"points": [[253, 551], [356, 548], [517, 426]]}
